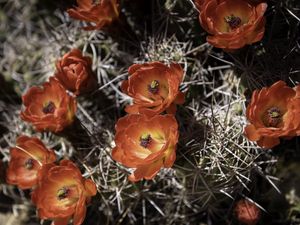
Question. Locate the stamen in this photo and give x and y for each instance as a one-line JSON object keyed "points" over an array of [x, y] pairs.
{"points": [[29, 164], [233, 21], [49, 108], [145, 140], [153, 87], [273, 117], [62, 193]]}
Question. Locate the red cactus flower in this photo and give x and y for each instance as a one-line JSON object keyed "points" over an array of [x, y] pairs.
{"points": [[99, 12], [146, 144], [62, 193], [232, 24], [273, 113], [74, 71], [49, 108], [154, 88], [247, 212], [27, 158]]}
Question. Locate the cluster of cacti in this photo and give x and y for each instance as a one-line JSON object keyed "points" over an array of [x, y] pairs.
{"points": [[233, 132]]}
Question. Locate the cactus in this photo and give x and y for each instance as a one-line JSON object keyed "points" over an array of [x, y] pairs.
{"points": [[215, 163]]}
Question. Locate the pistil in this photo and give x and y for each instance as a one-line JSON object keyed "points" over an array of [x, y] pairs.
{"points": [[273, 117], [233, 21], [29, 164], [145, 140], [153, 87], [62, 193], [49, 108]]}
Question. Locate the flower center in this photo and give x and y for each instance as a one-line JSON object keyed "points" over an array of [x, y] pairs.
{"points": [[29, 164], [153, 87], [145, 140], [273, 117], [62, 193], [233, 21], [49, 108]]}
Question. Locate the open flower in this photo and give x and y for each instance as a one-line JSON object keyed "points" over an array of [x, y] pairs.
{"points": [[99, 12], [62, 193], [247, 212], [154, 88], [74, 71], [273, 113], [232, 24], [49, 108], [146, 144], [27, 158]]}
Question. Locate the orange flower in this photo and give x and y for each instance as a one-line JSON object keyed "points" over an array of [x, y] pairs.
{"points": [[154, 88], [99, 12], [273, 113], [146, 144], [49, 108], [74, 71], [62, 193], [247, 212], [27, 158], [232, 24]]}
